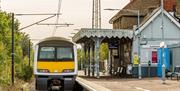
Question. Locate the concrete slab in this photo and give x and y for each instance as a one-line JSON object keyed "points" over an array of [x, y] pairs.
{"points": [[133, 84], [90, 86], [119, 84]]}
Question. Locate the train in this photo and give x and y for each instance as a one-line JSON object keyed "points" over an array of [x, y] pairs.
{"points": [[55, 64]]}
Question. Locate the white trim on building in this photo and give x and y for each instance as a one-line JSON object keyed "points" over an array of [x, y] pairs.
{"points": [[153, 16]]}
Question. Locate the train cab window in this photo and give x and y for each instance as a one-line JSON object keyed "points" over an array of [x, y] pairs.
{"points": [[64, 53], [47, 53]]}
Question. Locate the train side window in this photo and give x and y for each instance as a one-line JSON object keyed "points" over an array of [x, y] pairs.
{"points": [[47, 53], [65, 53]]}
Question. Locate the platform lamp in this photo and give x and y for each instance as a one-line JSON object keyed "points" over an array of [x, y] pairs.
{"points": [[162, 44]]}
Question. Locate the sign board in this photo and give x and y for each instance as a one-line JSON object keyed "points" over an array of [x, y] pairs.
{"points": [[135, 59], [145, 55], [113, 45], [47, 49], [154, 56]]}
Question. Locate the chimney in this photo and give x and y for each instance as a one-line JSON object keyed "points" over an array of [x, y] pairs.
{"points": [[169, 5]]}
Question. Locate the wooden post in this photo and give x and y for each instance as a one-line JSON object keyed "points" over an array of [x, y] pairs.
{"points": [[110, 62], [93, 59], [89, 60], [85, 64]]}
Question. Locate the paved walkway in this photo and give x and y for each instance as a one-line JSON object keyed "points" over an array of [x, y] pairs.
{"points": [[146, 84]]}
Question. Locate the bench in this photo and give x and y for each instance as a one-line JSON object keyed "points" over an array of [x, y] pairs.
{"points": [[175, 73]]}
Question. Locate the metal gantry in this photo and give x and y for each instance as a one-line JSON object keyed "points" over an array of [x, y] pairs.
{"points": [[96, 14], [97, 25], [91, 62]]}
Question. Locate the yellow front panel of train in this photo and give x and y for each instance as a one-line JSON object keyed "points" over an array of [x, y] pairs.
{"points": [[55, 67]]}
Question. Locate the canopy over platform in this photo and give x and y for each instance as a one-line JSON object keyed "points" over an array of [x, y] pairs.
{"points": [[85, 33], [90, 39]]}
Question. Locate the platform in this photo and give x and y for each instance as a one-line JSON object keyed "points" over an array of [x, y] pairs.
{"points": [[133, 84]]}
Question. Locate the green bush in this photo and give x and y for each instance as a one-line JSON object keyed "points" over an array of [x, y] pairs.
{"points": [[4, 81], [25, 73], [22, 70]]}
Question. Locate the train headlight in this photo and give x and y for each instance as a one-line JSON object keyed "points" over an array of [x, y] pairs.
{"points": [[68, 70], [43, 70]]}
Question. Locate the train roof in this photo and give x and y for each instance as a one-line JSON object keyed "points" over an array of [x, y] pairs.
{"points": [[55, 38]]}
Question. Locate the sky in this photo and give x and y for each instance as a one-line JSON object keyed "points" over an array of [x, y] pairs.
{"points": [[77, 12]]}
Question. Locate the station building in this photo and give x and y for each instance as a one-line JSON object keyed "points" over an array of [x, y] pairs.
{"points": [[123, 38], [150, 31], [151, 35]]}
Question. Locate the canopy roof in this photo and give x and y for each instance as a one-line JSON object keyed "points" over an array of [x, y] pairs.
{"points": [[86, 33]]}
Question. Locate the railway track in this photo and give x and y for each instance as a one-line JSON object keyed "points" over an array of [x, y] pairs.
{"points": [[80, 85]]}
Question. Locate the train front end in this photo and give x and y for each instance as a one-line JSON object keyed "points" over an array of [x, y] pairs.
{"points": [[55, 64]]}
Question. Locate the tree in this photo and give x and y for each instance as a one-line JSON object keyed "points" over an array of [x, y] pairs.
{"points": [[104, 51], [21, 44]]}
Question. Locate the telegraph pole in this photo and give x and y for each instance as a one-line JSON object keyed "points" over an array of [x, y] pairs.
{"points": [[99, 14], [96, 14], [29, 54], [12, 54]]}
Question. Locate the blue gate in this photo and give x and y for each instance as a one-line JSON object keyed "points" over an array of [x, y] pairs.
{"points": [[160, 60]]}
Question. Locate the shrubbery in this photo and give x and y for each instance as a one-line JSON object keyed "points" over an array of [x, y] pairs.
{"points": [[22, 69], [26, 73]]}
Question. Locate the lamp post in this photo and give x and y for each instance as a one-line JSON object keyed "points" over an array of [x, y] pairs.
{"points": [[139, 46], [138, 35], [163, 43]]}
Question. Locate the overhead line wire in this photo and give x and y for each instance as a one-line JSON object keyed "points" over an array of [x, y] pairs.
{"points": [[57, 19]]}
